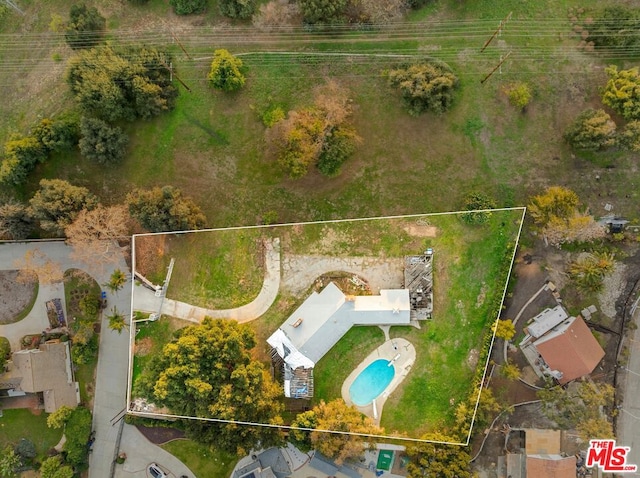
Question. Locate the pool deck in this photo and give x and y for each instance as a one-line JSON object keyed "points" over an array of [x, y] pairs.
{"points": [[403, 355]]}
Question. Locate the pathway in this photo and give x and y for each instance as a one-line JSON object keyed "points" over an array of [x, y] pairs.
{"points": [[146, 301]]}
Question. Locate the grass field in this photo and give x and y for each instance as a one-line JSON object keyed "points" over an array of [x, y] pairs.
{"points": [[471, 266], [202, 460], [17, 424]]}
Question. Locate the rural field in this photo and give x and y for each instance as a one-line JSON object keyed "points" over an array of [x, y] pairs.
{"points": [[471, 266], [214, 144]]}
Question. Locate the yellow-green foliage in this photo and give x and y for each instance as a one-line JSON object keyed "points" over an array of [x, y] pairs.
{"points": [[592, 130], [226, 71], [519, 94], [622, 92]]}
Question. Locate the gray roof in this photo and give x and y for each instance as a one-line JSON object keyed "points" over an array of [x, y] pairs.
{"points": [[321, 321], [323, 464]]}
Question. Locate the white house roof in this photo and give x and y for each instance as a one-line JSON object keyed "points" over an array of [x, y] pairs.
{"points": [[321, 321], [546, 320]]}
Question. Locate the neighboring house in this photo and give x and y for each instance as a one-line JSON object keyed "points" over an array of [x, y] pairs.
{"points": [[270, 463], [324, 317], [560, 346], [541, 456], [45, 371]]}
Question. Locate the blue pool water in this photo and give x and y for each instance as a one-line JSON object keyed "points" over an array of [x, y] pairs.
{"points": [[371, 382]]}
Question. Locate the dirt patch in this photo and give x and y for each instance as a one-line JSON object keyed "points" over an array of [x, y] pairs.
{"points": [[421, 231], [143, 347], [472, 359], [160, 435], [16, 295]]}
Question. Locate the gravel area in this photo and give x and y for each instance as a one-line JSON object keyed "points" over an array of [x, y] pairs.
{"points": [[15, 296], [612, 285]]}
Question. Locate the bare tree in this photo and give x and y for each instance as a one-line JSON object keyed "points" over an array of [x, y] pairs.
{"points": [[94, 234], [35, 261]]}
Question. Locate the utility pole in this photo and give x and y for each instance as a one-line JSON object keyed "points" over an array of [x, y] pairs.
{"points": [[172, 73], [180, 45], [502, 60], [497, 32]]}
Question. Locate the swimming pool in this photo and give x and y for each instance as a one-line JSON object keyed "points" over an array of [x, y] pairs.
{"points": [[371, 382]]}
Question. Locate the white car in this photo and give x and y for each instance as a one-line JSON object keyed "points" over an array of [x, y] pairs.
{"points": [[156, 472]]}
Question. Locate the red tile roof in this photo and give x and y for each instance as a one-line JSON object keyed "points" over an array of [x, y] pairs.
{"points": [[572, 349], [552, 467]]}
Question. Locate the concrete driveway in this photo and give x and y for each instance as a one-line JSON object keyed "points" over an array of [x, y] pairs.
{"points": [[141, 452]]}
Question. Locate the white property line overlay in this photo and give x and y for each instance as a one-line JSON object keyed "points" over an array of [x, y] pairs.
{"points": [[132, 332]]}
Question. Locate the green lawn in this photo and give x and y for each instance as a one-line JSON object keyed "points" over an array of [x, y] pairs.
{"points": [[221, 271], [84, 374], [17, 424], [469, 275], [202, 460]]}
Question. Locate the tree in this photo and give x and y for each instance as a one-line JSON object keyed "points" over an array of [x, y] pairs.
{"points": [[317, 135], [58, 418], [5, 352], [15, 221], [616, 27], [37, 262], [629, 138], [26, 450], [438, 459], [557, 216], [21, 155], [164, 209], [9, 462], [323, 11], [237, 8], [426, 86], [116, 320], [587, 403], [85, 28], [336, 416], [510, 371], [592, 130], [117, 280], [187, 7], [208, 371], [77, 432], [519, 95], [476, 202], [589, 270], [226, 71], [57, 204], [94, 234], [557, 201], [622, 92], [375, 11], [101, 142], [277, 13], [298, 436], [52, 467], [58, 134], [128, 83], [504, 329]]}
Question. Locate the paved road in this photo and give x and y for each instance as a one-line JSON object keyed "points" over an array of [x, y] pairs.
{"points": [[111, 379], [629, 414]]}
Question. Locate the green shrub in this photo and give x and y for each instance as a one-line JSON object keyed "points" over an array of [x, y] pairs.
{"points": [[226, 71], [90, 306], [272, 116], [237, 8], [337, 148], [592, 130], [186, 7], [85, 28], [474, 202], [101, 142]]}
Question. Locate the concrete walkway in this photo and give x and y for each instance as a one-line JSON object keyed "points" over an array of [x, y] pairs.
{"points": [[146, 301]]}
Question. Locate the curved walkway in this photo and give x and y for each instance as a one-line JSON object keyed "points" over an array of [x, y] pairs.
{"points": [[505, 346], [146, 301]]}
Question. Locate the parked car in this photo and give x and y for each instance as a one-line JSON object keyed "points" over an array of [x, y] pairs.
{"points": [[156, 472]]}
